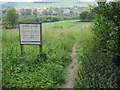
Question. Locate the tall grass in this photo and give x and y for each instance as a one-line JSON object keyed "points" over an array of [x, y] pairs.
{"points": [[39, 70], [0, 58]]}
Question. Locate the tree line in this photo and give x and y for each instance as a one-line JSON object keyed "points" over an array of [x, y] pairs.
{"points": [[11, 17]]}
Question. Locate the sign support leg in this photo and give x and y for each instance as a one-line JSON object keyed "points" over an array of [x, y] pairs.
{"points": [[40, 46], [22, 50]]}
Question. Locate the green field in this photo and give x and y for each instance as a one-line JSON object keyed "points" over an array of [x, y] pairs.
{"points": [[54, 4], [46, 69]]}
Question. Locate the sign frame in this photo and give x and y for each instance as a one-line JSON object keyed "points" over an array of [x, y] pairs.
{"points": [[22, 45]]}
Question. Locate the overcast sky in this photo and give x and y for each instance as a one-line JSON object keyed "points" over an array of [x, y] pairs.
{"points": [[30, 0], [36, 0], [18, 0]]}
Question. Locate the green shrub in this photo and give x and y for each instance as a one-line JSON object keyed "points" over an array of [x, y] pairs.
{"points": [[99, 62]]}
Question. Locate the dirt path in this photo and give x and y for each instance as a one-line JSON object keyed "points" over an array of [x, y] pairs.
{"points": [[69, 82]]}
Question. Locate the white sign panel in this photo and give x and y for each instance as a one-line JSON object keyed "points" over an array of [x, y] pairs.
{"points": [[30, 34]]}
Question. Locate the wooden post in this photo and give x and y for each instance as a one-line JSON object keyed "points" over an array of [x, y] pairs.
{"points": [[41, 38], [40, 46], [22, 50]]}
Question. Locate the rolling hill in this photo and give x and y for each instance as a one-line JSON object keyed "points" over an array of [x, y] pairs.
{"points": [[60, 1]]}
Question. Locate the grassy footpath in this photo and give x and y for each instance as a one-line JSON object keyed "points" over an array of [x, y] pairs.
{"points": [[45, 70]]}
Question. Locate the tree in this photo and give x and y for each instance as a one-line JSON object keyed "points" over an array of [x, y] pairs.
{"points": [[11, 18], [83, 15], [35, 12], [47, 12], [60, 11], [26, 12], [86, 15], [44, 12], [22, 12], [50, 12]]}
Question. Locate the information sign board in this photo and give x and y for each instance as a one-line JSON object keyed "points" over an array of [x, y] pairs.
{"points": [[30, 33]]}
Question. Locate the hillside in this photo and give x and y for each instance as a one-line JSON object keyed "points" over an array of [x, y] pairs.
{"points": [[45, 4], [60, 1]]}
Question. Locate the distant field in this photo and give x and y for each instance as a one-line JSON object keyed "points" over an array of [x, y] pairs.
{"points": [[66, 23], [54, 4]]}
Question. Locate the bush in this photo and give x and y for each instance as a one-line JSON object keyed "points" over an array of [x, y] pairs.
{"points": [[11, 18], [86, 16], [99, 66]]}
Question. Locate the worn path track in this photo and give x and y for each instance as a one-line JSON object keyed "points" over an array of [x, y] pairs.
{"points": [[69, 82]]}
